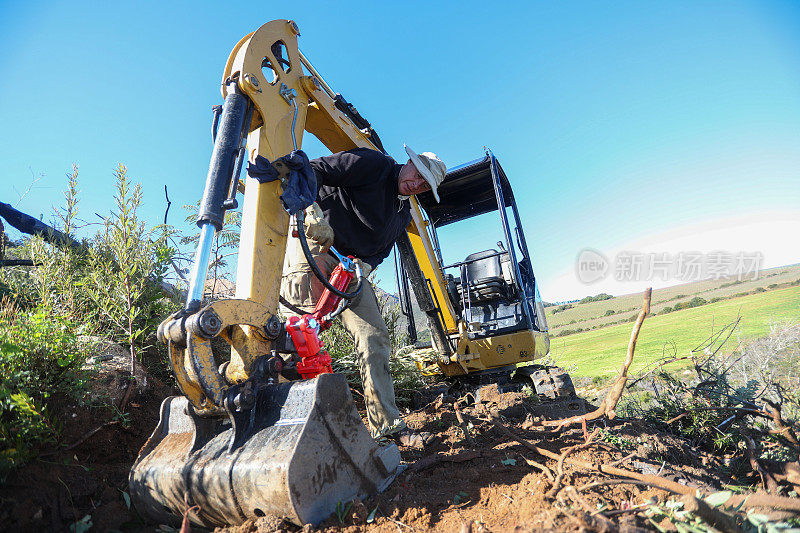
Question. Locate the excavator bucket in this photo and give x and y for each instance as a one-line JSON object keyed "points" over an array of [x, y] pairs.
{"points": [[300, 451]]}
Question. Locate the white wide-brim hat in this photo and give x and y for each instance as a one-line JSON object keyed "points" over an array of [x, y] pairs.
{"points": [[430, 167]]}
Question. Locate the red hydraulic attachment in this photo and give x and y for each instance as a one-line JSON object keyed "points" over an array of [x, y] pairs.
{"points": [[304, 330]]}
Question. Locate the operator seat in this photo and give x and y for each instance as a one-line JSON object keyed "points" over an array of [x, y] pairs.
{"points": [[485, 277]]}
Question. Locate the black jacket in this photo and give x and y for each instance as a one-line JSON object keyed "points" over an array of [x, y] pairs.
{"points": [[358, 194]]}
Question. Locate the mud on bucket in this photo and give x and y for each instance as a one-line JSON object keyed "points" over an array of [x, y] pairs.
{"points": [[297, 453]]}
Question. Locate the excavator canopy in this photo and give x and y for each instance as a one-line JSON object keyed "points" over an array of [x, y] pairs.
{"points": [[467, 191]]}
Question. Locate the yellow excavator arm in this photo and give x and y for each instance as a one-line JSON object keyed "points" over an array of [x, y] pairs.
{"points": [[289, 98], [248, 437]]}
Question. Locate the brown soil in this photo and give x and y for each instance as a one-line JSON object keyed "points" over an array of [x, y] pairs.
{"points": [[491, 488], [63, 486]]}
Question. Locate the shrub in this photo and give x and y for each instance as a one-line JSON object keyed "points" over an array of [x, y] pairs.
{"points": [[759, 289], [697, 301], [402, 367], [716, 299], [772, 286], [598, 298], [762, 374], [128, 264], [609, 312], [694, 302], [39, 358], [667, 309]]}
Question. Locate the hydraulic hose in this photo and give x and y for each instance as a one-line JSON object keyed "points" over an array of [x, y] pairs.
{"points": [[301, 234]]}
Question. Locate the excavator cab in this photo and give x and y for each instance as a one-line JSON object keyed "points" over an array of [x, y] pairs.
{"points": [[484, 312], [493, 291]]}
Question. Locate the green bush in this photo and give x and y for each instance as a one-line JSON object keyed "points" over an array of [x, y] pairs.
{"points": [[759, 289], [110, 286], [666, 310], [127, 266], [599, 298], [609, 312], [402, 367], [40, 357], [697, 301]]}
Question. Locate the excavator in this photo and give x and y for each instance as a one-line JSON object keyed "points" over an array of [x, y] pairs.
{"points": [[270, 429]]}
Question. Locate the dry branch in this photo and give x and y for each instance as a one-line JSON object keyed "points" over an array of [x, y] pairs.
{"points": [[463, 424], [767, 479], [82, 439], [609, 403], [431, 460], [743, 501], [559, 477], [714, 517]]}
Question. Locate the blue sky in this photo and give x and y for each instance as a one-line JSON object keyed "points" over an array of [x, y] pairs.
{"points": [[617, 122]]}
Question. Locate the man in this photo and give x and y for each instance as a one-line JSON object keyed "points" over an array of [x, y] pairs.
{"points": [[362, 209]]}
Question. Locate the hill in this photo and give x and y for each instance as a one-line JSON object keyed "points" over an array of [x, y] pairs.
{"points": [[577, 317]]}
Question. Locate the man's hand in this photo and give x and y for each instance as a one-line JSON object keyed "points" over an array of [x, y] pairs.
{"points": [[318, 232]]}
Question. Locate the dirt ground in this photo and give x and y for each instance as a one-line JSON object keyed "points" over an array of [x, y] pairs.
{"points": [[483, 481]]}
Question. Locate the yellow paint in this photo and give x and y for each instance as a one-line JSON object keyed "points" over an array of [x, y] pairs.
{"points": [[265, 225], [429, 264]]}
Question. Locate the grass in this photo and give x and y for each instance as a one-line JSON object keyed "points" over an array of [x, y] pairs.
{"points": [[600, 352], [594, 313]]}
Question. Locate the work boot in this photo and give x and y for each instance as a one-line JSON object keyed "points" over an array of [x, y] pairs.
{"points": [[412, 439]]}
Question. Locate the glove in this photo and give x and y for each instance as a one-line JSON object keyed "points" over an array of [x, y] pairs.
{"points": [[318, 232]]}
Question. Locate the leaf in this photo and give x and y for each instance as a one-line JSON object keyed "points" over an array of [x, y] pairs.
{"points": [[371, 516], [83, 525], [718, 498], [127, 498], [757, 519], [509, 462]]}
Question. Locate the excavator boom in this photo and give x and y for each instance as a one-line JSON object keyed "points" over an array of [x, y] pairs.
{"points": [[269, 430]]}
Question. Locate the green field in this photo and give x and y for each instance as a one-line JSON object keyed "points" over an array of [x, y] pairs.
{"points": [[593, 314], [601, 352]]}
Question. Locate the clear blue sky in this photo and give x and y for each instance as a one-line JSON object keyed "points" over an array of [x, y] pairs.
{"points": [[613, 120]]}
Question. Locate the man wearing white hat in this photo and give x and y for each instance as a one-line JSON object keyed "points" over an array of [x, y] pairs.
{"points": [[362, 208]]}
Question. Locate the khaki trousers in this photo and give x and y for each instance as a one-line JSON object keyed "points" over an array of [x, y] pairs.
{"points": [[363, 321]]}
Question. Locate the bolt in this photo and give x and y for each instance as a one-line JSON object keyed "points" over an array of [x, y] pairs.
{"points": [[209, 323], [243, 400], [251, 82], [273, 327]]}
